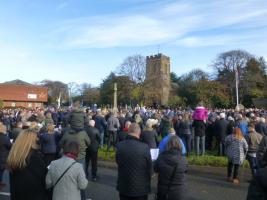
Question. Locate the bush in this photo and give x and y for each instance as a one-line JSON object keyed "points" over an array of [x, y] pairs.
{"points": [[206, 160]]}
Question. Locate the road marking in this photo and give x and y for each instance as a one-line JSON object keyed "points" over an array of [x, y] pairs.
{"points": [[5, 193]]}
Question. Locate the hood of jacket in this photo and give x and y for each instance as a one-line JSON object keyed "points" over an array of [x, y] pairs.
{"points": [[172, 157]]}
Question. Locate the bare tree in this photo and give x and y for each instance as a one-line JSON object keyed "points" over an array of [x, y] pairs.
{"points": [[134, 67], [55, 89], [225, 65]]}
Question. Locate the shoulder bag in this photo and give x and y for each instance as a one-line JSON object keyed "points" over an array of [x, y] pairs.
{"points": [[50, 190]]}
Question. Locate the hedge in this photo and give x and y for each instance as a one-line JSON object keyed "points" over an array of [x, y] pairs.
{"points": [[206, 160]]}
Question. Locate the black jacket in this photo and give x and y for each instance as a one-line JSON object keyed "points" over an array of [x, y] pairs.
{"points": [[221, 129], [179, 128], [258, 187], [164, 166], [134, 167], [199, 127], [150, 137], [5, 146], [29, 183], [100, 123], [230, 127], [94, 136], [15, 133], [122, 135], [122, 121], [262, 152], [210, 129], [261, 128]]}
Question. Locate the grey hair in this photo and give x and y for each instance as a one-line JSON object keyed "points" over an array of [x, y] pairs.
{"points": [[174, 143], [134, 128], [149, 123]]}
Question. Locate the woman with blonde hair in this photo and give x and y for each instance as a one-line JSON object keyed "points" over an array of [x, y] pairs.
{"points": [[5, 146], [236, 149], [27, 168]]}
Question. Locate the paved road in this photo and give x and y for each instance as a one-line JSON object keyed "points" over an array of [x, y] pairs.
{"points": [[203, 184]]}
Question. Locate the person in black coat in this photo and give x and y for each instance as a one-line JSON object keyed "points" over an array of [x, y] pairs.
{"points": [[100, 124], [258, 187], [230, 126], [171, 167], [16, 131], [122, 121], [92, 150], [200, 133], [261, 127], [49, 144], [27, 168], [210, 133], [262, 151], [149, 135], [134, 166], [221, 131], [5, 146]]}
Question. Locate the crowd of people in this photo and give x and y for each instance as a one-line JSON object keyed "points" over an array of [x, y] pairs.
{"points": [[53, 148]]}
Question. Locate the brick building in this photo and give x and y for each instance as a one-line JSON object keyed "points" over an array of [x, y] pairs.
{"points": [[21, 94]]}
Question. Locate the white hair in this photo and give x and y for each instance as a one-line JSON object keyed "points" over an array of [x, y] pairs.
{"points": [[262, 120], [222, 115], [151, 122]]}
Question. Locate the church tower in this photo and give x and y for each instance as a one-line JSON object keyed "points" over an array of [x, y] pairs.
{"points": [[157, 83]]}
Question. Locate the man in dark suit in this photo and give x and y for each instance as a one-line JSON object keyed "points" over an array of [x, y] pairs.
{"points": [[221, 130], [92, 150], [134, 166]]}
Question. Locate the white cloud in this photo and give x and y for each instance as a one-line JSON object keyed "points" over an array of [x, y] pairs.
{"points": [[237, 39], [179, 21]]}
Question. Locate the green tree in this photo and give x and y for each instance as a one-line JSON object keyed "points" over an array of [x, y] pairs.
{"points": [[195, 87], [254, 81], [176, 101], [124, 86]]}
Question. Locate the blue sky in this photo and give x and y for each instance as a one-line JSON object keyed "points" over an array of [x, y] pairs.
{"points": [[84, 40]]}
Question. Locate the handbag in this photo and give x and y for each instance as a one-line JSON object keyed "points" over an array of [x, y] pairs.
{"points": [[166, 196], [50, 190]]}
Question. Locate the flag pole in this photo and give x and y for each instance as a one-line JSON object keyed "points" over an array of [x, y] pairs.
{"points": [[236, 86]]}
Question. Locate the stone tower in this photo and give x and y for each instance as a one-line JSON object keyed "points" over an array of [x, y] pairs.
{"points": [[157, 84]]}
